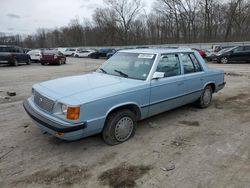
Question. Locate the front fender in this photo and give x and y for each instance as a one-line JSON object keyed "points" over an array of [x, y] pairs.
{"points": [[123, 105]]}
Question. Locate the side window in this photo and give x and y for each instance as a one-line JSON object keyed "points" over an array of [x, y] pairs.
{"points": [[247, 48], [20, 50], [239, 49], [169, 64], [190, 63], [187, 62], [197, 65]]}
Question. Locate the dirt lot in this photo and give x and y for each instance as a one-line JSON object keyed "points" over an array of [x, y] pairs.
{"points": [[186, 147]]}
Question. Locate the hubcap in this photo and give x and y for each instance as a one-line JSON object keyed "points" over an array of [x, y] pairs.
{"points": [[207, 96], [124, 129], [224, 60]]}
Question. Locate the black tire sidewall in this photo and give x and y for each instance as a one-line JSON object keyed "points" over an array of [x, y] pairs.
{"points": [[201, 101], [28, 62], [109, 128], [15, 62]]}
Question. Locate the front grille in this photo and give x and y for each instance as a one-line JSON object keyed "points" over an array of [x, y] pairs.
{"points": [[43, 102]]}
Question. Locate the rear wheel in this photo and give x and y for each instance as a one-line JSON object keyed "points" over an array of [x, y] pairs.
{"points": [[28, 62], [120, 126], [15, 62], [224, 60], [206, 97], [42, 63]]}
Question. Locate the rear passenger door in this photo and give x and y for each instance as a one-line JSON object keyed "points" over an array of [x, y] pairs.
{"points": [[238, 54], [20, 55], [194, 77], [166, 93]]}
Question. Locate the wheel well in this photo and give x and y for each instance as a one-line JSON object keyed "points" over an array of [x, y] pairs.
{"points": [[212, 85], [132, 107]]}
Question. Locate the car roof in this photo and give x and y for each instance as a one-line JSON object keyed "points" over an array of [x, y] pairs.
{"points": [[158, 50]]}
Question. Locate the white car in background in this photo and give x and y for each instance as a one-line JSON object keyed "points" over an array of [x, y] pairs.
{"points": [[35, 55], [83, 53], [69, 51]]}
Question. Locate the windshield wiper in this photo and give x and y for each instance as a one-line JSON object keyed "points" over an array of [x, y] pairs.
{"points": [[121, 73], [103, 70]]}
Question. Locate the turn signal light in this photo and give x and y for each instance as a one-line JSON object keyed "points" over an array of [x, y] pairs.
{"points": [[73, 113]]}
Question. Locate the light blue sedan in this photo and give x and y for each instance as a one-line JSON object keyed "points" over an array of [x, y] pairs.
{"points": [[130, 86]]}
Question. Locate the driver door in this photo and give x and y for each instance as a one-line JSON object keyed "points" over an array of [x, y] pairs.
{"points": [[167, 92]]}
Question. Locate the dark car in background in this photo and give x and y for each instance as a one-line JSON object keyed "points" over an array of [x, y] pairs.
{"points": [[101, 53], [13, 55], [111, 53], [53, 57], [235, 54]]}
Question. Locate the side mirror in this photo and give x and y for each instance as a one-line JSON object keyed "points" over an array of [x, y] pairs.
{"points": [[158, 75]]}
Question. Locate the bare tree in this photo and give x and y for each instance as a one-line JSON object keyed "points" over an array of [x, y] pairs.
{"points": [[125, 13], [123, 22]]}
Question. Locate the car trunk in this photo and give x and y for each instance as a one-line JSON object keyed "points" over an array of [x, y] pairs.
{"points": [[48, 57]]}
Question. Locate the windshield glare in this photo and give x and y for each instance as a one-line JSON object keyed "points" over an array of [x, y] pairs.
{"points": [[129, 65]]}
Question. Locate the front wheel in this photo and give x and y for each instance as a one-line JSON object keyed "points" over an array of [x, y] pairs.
{"points": [[206, 97], [120, 126]]}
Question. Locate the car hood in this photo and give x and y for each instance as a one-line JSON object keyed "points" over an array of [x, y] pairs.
{"points": [[86, 88]]}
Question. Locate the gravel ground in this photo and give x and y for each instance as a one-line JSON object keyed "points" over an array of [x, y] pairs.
{"points": [[185, 147]]}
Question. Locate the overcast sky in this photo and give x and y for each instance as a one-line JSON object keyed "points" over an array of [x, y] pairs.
{"points": [[26, 16]]}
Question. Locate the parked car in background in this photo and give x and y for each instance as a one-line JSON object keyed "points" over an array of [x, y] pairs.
{"points": [[52, 57], [201, 52], [83, 53], [235, 54], [211, 56], [69, 51], [101, 53], [13, 55], [130, 86], [35, 55], [112, 52]]}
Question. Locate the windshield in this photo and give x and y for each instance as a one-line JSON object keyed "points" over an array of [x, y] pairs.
{"points": [[129, 65]]}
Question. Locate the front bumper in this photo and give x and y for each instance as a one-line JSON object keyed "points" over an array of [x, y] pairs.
{"points": [[69, 132]]}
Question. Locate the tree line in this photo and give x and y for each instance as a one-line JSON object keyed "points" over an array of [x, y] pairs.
{"points": [[125, 22]]}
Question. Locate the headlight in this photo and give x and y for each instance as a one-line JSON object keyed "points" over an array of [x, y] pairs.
{"points": [[64, 109], [70, 112]]}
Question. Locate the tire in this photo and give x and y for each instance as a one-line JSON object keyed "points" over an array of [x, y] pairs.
{"points": [[42, 63], [28, 62], [112, 133], [15, 62], [206, 97], [224, 60]]}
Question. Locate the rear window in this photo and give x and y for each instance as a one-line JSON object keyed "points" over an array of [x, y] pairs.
{"points": [[50, 52]]}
